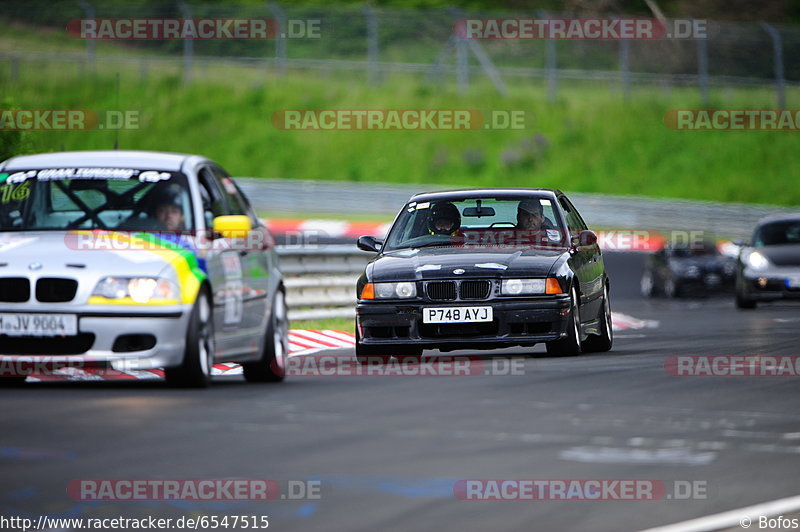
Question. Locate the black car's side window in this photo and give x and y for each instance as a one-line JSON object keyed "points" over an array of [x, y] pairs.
{"points": [[574, 221]]}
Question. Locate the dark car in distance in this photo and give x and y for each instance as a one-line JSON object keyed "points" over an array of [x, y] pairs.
{"points": [[687, 269], [768, 268], [506, 267]]}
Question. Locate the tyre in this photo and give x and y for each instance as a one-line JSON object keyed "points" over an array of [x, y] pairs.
{"points": [[370, 354], [571, 345], [742, 301], [647, 285], [198, 356], [272, 365], [671, 288], [12, 381], [605, 340]]}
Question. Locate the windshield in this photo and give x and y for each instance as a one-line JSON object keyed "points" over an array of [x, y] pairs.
{"points": [[515, 222], [778, 233], [55, 199]]}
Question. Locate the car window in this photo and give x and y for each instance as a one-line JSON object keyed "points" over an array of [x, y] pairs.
{"points": [[213, 201], [574, 220], [234, 199], [778, 233], [480, 221], [94, 198]]}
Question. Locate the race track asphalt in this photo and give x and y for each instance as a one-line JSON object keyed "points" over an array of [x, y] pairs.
{"points": [[387, 451]]}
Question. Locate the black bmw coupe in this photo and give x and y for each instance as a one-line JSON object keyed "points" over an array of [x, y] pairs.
{"points": [[482, 269]]}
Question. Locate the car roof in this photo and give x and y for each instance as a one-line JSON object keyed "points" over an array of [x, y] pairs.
{"points": [[451, 195], [98, 158], [787, 217]]}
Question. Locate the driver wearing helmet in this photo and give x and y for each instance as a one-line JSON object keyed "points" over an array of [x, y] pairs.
{"points": [[168, 208], [444, 219]]}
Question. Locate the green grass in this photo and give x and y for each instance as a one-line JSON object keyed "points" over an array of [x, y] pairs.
{"points": [[334, 324], [589, 140]]}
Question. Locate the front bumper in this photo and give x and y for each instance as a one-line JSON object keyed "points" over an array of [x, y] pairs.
{"points": [[771, 285], [518, 321], [122, 338]]}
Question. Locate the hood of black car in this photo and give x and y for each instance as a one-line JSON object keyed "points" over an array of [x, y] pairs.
{"points": [[783, 255], [443, 263]]}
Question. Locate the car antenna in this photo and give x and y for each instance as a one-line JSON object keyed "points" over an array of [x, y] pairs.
{"points": [[116, 130]]}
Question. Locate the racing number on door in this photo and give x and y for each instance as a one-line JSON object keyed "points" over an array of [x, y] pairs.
{"points": [[234, 307]]}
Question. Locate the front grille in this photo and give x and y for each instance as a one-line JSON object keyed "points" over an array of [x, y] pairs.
{"points": [[55, 289], [474, 289], [14, 289], [442, 290], [37, 345]]}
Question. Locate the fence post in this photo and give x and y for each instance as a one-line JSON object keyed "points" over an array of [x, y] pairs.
{"points": [[777, 48], [88, 12], [702, 68], [188, 45], [372, 43], [624, 67], [550, 62], [462, 54], [280, 38]]}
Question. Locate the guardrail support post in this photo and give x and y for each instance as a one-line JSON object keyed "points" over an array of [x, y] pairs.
{"points": [[188, 45], [777, 48], [88, 12]]}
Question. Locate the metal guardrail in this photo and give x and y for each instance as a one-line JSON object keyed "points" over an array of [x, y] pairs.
{"points": [[730, 220], [321, 281]]}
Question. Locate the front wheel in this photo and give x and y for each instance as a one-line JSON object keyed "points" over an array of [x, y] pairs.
{"points": [[571, 345], [272, 365], [605, 340], [198, 356], [647, 284], [742, 301]]}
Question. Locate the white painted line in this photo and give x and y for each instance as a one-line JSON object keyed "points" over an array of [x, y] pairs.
{"points": [[616, 455], [733, 518]]}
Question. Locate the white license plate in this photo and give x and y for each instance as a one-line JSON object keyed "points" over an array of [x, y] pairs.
{"points": [[38, 324], [456, 314], [793, 282]]}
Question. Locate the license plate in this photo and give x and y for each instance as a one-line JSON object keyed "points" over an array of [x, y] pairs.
{"points": [[793, 282], [38, 324], [456, 314]]}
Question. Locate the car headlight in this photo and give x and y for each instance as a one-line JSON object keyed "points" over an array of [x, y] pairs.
{"points": [[138, 289], [757, 261], [402, 290], [518, 287]]}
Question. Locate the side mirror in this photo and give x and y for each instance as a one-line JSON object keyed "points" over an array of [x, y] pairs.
{"points": [[236, 226], [369, 243], [585, 238], [741, 242]]}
